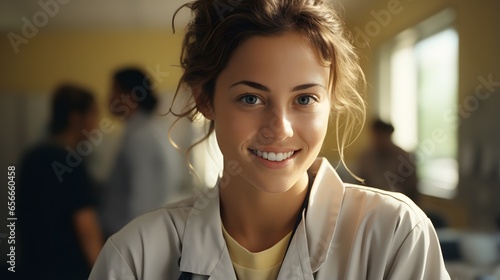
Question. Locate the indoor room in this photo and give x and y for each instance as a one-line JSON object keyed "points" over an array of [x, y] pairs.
{"points": [[431, 131]]}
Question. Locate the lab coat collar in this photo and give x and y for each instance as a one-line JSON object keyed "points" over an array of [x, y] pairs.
{"points": [[325, 201], [313, 240], [204, 249], [203, 246]]}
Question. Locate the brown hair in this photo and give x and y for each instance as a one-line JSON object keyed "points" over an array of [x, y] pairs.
{"points": [[218, 27], [67, 99], [132, 79]]}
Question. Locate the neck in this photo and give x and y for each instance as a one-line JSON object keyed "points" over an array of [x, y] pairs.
{"points": [[257, 220]]}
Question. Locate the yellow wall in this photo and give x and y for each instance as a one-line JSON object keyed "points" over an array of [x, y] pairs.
{"points": [[87, 57]]}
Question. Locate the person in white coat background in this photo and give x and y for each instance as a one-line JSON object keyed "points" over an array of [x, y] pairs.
{"points": [[138, 181], [269, 75]]}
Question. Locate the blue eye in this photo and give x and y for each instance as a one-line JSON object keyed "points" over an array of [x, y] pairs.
{"points": [[250, 99], [305, 100]]}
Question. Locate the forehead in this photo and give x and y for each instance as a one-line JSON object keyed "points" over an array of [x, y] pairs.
{"points": [[288, 58]]}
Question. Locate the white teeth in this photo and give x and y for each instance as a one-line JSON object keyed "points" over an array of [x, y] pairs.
{"points": [[272, 156], [280, 156]]}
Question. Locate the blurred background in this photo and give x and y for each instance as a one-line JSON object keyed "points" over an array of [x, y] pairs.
{"points": [[433, 68]]}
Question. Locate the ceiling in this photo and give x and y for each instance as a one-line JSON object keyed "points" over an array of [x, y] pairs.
{"points": [[89, 14]]}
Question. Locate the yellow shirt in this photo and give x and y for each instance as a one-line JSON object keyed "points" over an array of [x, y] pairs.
{"points": [[264, 265]]}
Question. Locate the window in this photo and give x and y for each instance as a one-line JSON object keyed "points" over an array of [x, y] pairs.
{"points": [[418, 90]]}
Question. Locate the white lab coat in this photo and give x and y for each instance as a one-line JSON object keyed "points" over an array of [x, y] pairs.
{"points": [[348, 232]]}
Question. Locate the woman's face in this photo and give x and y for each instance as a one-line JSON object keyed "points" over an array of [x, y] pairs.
{"points": [[271, 109]]}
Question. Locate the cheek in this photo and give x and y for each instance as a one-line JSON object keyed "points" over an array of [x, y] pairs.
{"points": [[234, 128], [314, 129]]}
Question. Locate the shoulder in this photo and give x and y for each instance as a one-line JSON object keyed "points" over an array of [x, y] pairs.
{"points": [[386, 235], [150, 245], [390, 210], [384, 222], [169, 220]]}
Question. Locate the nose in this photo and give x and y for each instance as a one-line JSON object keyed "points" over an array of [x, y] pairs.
{"points": [[279, 127]]}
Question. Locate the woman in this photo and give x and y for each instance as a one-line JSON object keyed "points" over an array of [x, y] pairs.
{"points": [[58, 229], [269, 74]]}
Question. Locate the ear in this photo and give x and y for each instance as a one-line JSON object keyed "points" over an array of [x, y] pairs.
{"points": [[202, 101]]}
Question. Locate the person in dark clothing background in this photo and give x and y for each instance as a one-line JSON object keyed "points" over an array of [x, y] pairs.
{"points": [[58, 229]]}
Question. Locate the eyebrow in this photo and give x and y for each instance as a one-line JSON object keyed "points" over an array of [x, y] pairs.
{"points": [[264, 88]]}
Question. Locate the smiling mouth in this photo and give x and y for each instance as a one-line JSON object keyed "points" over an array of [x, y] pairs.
{"points": [[274, 156]]}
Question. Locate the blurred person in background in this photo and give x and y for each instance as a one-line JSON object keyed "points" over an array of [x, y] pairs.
{"points": [[58, 227], [385, 165], [138, 180]]}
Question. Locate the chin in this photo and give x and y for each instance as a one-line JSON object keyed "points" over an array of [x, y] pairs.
{"points": [[276, 186]]}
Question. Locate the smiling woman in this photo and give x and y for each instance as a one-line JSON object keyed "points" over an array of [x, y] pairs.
{"points": [[271, 98], [269, 75]]}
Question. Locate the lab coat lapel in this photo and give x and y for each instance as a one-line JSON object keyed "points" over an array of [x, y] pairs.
{"points": [[297, 265], [204, 250], [312, 242], [224, 269], [325, 201]]}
